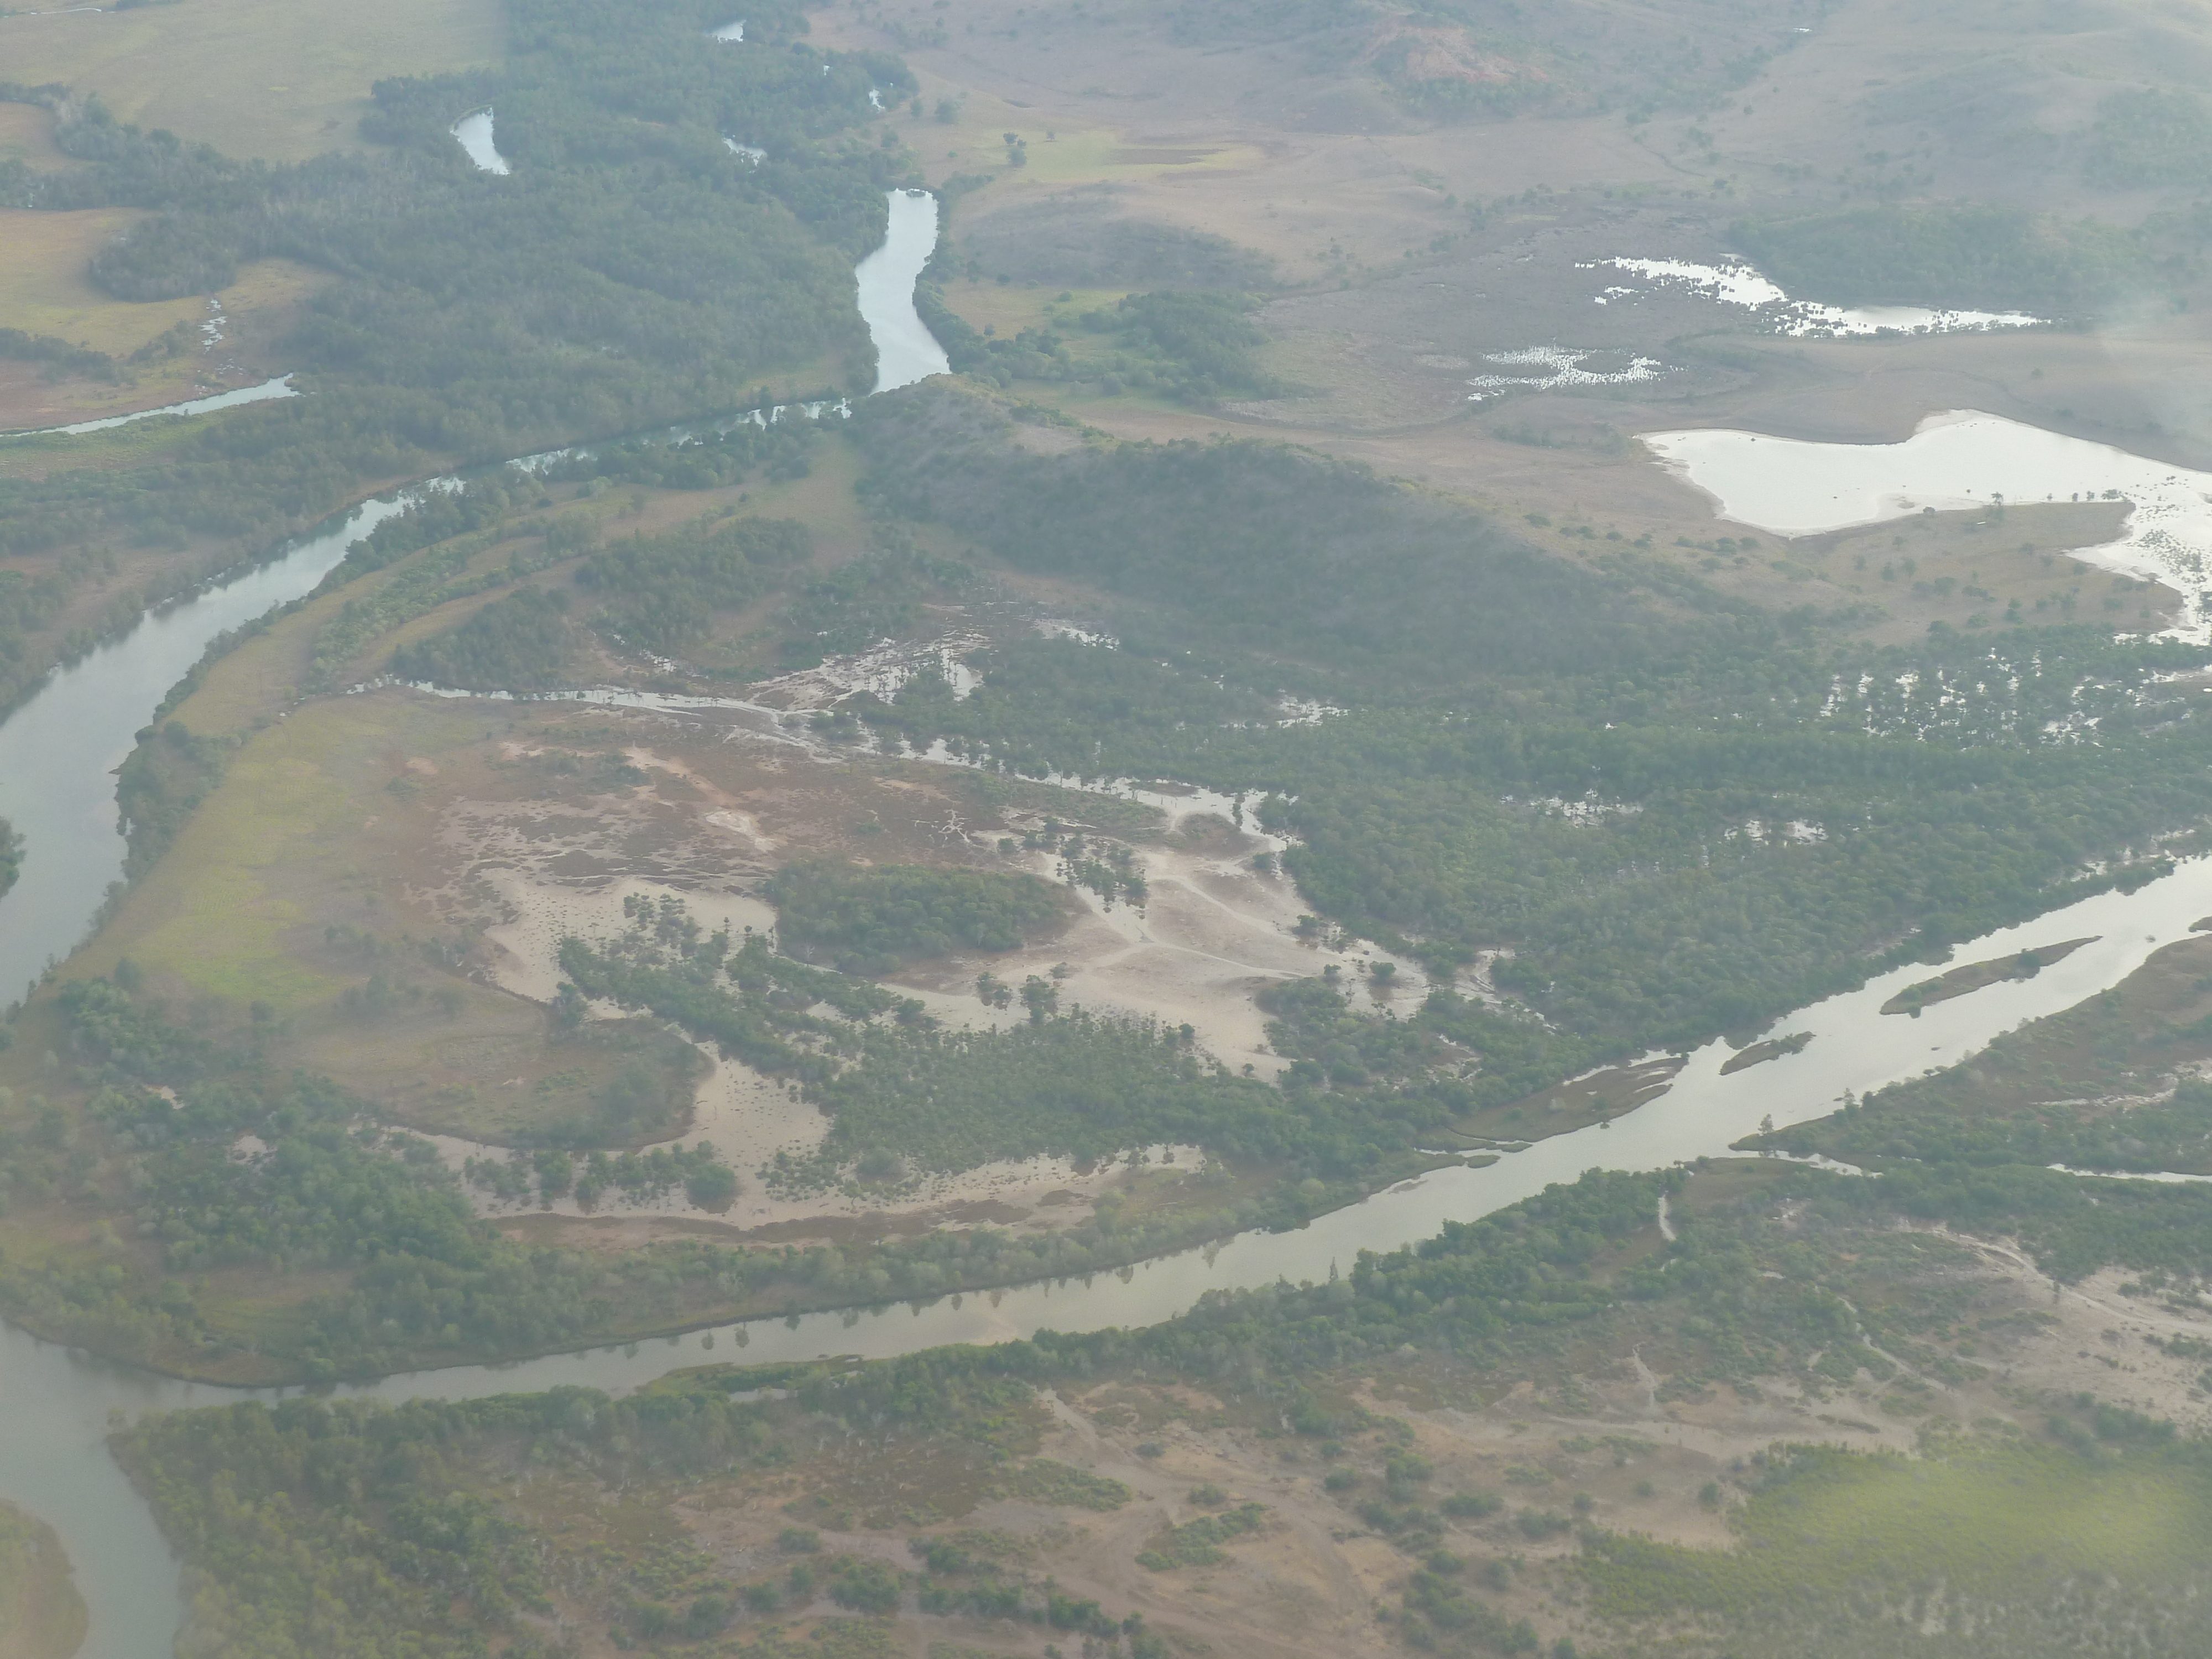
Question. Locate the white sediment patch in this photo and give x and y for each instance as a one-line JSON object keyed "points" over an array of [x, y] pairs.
{"points": [[1958, 461], [1053, 629], [1743, 285], [883, 670], [1039, 1194], [1556, 367], [747, 1117], [1211, 932]]}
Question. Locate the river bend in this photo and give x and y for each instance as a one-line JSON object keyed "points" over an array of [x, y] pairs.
{"points": [[56, 758]]}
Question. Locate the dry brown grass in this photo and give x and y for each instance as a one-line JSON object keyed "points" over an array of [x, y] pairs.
{"points": [[44, 288], [26, 134], [41, 1614]]}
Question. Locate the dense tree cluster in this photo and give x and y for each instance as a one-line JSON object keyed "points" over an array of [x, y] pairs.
{"points": [[871, 919], [865, 601], [1681, 819], [1195, 347], [374, 1521], [627, 274], [660, 593], [1992, 258], [1249, 544], [521, 642], [61, 359], [2147, 137], [1073, 1084], [703, 460]]}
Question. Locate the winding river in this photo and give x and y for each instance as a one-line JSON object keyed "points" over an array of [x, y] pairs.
{"points": [[59, 750], [906, 351], [57, 1406]]}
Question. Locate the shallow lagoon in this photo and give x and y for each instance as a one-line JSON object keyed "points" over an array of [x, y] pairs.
{"points": [[1959, 460], [474, 133]]}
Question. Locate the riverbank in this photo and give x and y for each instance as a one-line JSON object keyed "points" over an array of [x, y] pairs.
{"points": [[41, 1614], [1269, 1470]]}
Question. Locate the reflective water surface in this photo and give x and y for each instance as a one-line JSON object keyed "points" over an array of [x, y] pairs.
{"points": [[906, 351], [58, 751], [279, 387], [474, 133]]}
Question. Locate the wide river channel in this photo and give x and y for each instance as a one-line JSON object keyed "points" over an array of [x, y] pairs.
{"points": [[57, 1406]]}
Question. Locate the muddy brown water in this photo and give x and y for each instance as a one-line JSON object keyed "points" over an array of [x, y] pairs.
{"points": [[55, 1404]]}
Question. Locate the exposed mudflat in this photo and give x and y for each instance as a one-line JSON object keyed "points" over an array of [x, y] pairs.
{"points": [[531, 866]]}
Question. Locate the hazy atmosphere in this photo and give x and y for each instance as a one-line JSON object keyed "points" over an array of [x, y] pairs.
{"points": [[1138, 828]]}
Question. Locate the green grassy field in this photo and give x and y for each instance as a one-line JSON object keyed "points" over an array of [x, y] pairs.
{"points": [[1996, 1525], [282, 79], [44, 288]]}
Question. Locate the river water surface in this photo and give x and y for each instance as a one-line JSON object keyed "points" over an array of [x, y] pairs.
{"points": [[474, 133], [58, 751], [279, 387], [56, 756], [906, 351]]}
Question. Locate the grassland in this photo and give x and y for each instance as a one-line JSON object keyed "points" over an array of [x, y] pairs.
{"points": [[1577, 1485], [26, 134], [1974, 1534], [290, 889], [280, 79], [44, 289], [253, 78], [1011, 307], [41, 1614]]}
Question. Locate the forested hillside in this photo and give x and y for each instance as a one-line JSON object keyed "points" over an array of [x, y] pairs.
{"points": [[1747, 835]]}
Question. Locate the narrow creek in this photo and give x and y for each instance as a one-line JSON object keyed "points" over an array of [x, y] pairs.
{"points": [[279, 387], [57, 1405]]}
